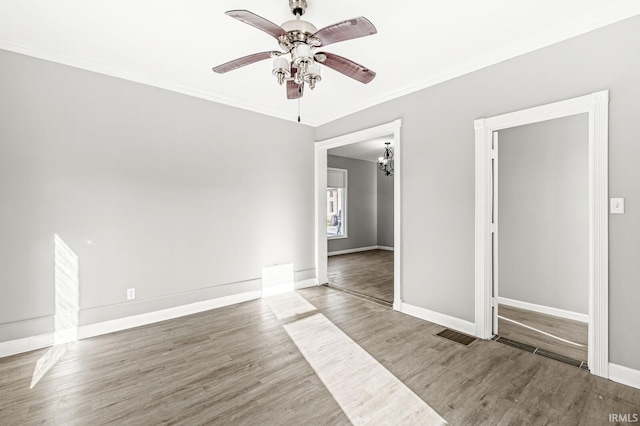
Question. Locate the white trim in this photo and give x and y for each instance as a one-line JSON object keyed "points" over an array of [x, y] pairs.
{"points": [[547, 310], [25, 344], [358, 249], [345, 209], [125, 323], [141, 78], [597, 106], [444, 320], [625, 375], [600, 19], [310, 282], [558, 34], [321, 148]]}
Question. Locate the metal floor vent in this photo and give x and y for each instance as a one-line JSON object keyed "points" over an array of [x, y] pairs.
{"points": [[454, 336]]}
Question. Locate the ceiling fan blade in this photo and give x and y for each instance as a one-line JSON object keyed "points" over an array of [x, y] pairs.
{"points": [[294, 90], [257, 21], [241, 62], [346, 67], [345, 30]]}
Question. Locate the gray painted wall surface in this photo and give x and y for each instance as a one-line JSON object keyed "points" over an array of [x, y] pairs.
{"points": [[152, 189], [438, 166], [361, 204], [543, 213], [385, 209]]}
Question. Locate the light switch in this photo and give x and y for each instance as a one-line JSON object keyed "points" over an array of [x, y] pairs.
{"points": [[617, 205]]}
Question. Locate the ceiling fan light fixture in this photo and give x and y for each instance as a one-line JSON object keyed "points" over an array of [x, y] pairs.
{"points": [[312, 76], [299, 39], [281, 69]]}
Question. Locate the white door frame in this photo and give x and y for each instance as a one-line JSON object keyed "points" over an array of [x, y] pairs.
{"points": [[597, 106], [321, 148]]}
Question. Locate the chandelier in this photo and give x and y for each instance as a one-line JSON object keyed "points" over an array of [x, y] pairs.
{"points": [[385, 163]]}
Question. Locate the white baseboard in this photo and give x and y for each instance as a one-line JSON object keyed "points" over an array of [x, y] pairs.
{"points": [[358, 249], [125, 323], [26, 344], [458, 324], [625, 375], [311, 282], [544, 309]]}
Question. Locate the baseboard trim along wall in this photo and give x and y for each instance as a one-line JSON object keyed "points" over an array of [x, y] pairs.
{"points": [[92, 330], [625, 375], [438, 318], [27, 344], [544, 309], [359, 249]]}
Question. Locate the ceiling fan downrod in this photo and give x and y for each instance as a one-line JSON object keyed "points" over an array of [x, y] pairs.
{"points": [[298, 7]]}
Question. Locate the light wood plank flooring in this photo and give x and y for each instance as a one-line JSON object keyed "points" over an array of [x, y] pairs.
{"points": [[238, 365], [573, 331], [369, 273]]}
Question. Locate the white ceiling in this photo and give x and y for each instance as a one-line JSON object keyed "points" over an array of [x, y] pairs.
{"points": [[367, 150], [174, 44]]}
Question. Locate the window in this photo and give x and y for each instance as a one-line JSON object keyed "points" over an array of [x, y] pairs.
{"points": [[336, 203]]}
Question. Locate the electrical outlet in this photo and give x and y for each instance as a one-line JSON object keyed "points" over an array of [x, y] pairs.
{"points": [[617, 205], [131, 293]]}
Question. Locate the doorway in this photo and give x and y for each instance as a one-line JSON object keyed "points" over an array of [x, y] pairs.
{"points": [[541, 244], [596, 106], [392, 133], [360, 220]]}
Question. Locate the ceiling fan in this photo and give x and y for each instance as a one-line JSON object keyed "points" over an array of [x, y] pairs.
{"points": [[300, 39]]}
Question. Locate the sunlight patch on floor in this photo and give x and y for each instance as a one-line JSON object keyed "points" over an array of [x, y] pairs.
{"points": [[365, 390], [541, 332]]}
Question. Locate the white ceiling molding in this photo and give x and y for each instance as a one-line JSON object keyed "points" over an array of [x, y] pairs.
{"points": [[173, 46]]}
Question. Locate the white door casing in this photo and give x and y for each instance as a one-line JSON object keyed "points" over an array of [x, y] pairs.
{"points": [[597, 106]]}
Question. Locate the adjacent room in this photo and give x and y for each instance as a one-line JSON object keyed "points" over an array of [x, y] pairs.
{"points": [[319, 212], [360, 219]]}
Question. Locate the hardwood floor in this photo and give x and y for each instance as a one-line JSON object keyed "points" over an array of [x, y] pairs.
{"points": [[569, 330], [240, 365], [369, 273]]}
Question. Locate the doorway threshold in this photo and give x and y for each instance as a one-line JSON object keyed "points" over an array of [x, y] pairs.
{"points": [[542, 352], [360, 295]]}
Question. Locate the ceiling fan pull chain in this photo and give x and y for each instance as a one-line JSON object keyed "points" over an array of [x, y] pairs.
{"points": [[298, 110]]}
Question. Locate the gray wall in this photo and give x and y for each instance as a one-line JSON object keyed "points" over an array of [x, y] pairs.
{"points": [[438, 166], [543, 213], [362, 226], [152, 189], [385, 209]]}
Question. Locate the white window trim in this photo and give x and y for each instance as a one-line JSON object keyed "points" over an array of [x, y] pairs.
{"points": [[345, 189]]}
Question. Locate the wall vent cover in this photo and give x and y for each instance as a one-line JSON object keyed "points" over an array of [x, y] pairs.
{"points": [[454, 336]]}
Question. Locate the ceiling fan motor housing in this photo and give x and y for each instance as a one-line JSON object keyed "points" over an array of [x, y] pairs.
{"points": [[298, 7]]}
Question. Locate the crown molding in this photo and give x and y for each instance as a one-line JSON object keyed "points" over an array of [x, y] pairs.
{"points": [[134, 76], [548, 38], [614, 14]]}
